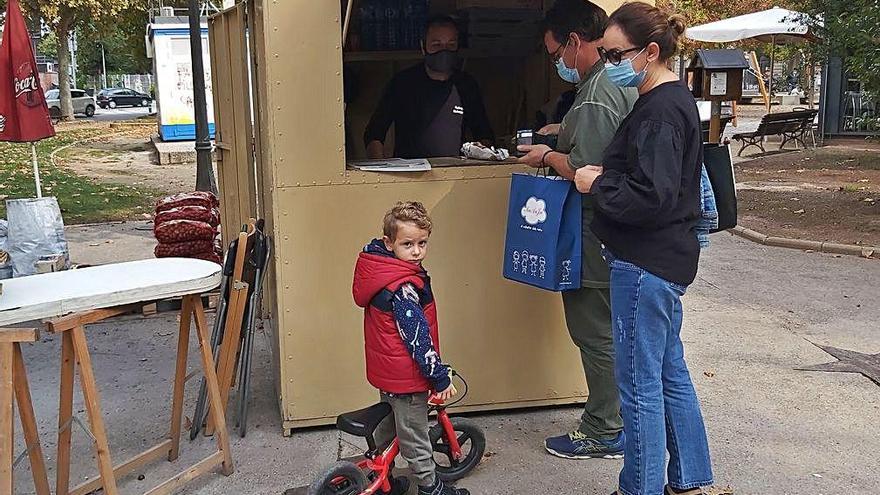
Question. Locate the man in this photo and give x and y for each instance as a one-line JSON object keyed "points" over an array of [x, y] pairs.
{"points": [[573, 34], [432, 105]]}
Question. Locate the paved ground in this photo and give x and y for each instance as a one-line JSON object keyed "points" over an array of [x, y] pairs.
{"points": [[122, 113], [750, 319]]}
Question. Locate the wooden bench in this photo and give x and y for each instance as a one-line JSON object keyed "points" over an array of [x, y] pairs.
{"points": [[792, 126]]}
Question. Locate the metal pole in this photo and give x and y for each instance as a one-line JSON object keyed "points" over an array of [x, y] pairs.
{"points": [[772, 66], [204, 168], [72, 44], [103, 68], [36, 170]]}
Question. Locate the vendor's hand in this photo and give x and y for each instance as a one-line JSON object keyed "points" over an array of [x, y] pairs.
{"points": [[585, 176], [549, 129], [447, 394], [376, 150], [534, 154]]}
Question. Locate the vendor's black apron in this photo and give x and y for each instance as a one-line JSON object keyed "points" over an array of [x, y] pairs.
{"points": [[442, 137]]}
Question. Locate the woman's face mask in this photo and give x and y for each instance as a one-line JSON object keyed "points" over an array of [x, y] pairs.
{"points": [[624, 74], [568, 74], [444, 61]]}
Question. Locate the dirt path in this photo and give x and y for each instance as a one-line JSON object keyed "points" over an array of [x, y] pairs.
{"points": [[128, 158], [826, 194]]}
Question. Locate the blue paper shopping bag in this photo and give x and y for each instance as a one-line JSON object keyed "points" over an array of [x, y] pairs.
{"points": [[543, 244]]}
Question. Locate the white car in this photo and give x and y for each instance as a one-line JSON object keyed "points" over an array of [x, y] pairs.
{"points": [[83, 104]]}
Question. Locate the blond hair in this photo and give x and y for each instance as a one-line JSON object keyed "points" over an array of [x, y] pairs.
{"points": [[406, 211]]}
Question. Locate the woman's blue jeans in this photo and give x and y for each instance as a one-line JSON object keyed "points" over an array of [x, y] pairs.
{"points": [[660, 409]]}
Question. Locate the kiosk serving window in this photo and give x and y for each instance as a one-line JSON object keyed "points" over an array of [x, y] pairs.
{"points": [[500, 49]]}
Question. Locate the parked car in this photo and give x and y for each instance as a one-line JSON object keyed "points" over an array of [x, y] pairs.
{"points": [[83, 104], [122, 97]]}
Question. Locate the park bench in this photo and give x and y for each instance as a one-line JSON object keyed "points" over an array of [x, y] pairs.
{"points": [[792, 126]]}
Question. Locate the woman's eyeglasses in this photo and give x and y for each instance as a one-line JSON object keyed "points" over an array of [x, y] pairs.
{"points": [[615, 56]]}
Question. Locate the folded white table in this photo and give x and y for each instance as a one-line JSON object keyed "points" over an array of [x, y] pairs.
{"points": [[73, 299]]}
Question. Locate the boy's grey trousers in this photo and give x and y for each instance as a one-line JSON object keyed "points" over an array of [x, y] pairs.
{"points": [[410, 421]]}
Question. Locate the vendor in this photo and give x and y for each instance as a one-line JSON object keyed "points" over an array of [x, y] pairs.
{"points": [[432, 105]]}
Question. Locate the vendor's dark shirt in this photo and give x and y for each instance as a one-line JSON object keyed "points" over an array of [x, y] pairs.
{"points": [[648, 198], [413, 102]]}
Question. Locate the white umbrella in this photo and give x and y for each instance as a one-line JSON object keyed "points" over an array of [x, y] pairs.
{"points": [[776, 25]]}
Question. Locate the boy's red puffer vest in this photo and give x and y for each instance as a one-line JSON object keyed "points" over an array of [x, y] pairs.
{"points": [[390, 367]]}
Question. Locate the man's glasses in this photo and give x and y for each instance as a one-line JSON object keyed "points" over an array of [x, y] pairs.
{"points": [[615, 56], [558, 53]]}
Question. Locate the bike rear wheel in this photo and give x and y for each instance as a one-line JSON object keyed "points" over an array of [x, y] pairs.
{"points": [[473, 446], [343, 478]]}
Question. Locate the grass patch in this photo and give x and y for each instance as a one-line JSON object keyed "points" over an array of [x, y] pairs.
{"points": [[82, 199], [854, 187]]}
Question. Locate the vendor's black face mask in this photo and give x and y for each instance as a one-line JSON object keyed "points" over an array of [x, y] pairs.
{"points": [[444, 61]]}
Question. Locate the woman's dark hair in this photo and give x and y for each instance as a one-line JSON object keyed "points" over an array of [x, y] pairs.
{"points": [[644, 24], [581, 17]]}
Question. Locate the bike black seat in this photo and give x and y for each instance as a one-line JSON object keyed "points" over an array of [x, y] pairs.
{"points": [[363, 422]]}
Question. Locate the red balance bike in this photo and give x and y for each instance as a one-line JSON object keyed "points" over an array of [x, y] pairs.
{"points": [[458, 446]]}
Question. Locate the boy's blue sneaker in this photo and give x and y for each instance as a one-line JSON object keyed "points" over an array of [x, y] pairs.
{"points": [[576, 445]]}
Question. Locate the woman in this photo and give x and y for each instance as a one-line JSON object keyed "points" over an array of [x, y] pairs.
{"points": [[647, 196]]}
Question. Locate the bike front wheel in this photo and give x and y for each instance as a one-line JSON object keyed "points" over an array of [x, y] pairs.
{"points": [[473, 446], [343, 478]]}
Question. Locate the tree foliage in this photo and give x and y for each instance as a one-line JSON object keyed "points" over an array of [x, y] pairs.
{"points": [[850, 30], [122, 39], [64, 16]]}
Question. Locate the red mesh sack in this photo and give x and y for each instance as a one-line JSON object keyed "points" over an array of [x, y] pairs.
{"points": [[183, 249], [183, 230], [196, 213], [195, 198]]}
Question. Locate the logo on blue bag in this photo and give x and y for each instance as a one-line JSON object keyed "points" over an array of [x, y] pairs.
{"points": [[534, 211]]}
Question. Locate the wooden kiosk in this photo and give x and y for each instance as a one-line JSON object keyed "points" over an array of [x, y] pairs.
{"points": [[286, 162]]}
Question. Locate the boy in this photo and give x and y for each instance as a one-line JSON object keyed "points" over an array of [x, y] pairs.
{"points": [[400, 333]]}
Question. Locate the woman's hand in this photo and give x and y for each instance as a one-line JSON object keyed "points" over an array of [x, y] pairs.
{"points": [[585, 176], [534, 154]]}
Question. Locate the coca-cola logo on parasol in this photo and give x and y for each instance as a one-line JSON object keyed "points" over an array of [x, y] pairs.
{"points": [[25, 81]]}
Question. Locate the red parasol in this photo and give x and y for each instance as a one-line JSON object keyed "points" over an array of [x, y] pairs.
{"points": [[24, 116]]}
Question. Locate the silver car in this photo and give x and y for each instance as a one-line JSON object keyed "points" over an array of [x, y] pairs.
{"points": [[83, 104]]}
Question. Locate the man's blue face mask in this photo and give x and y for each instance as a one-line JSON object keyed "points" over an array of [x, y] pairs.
{"points": [[568, 74]]}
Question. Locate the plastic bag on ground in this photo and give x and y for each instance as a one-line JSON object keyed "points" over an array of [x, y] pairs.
{"points": [[35, 229]]}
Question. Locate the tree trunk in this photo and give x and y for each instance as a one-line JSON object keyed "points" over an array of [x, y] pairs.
{"points": [[62, 32]]}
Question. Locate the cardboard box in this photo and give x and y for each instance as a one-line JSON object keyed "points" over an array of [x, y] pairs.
{"points": [[50, 263]]}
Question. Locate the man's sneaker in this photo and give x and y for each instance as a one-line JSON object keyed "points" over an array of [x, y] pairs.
{"points": [[399, 486], [576, 445], [439, 488]]}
